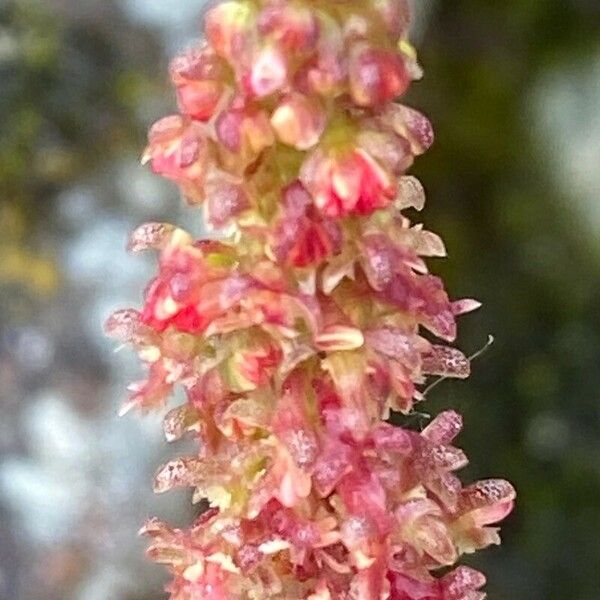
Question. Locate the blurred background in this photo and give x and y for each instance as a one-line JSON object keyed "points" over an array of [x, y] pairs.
{"points": [[513, 89]]}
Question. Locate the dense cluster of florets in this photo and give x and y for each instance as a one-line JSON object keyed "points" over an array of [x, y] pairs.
{"points": [[298, 329]]}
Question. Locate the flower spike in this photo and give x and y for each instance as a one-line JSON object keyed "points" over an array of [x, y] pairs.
{"points": [[300, 329]]}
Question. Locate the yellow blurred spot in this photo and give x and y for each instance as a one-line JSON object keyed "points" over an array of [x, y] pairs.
{"points": [[407, 49]]}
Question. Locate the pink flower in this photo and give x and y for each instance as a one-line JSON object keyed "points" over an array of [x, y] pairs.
{"points": [[293, 26], [268, 73], [297, 332], [349, 182], [302, 237], [200, 81], [229, 29], [298, 121], [244, 131], [460, 584], [376, 76], [178, 150]]}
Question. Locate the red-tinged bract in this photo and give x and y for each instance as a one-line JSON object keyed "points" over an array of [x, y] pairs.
{"points": [[307, 321]]}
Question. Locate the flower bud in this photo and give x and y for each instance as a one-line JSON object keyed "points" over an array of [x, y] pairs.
{"points": [[178, 150], [293, 26], [298, 121], [200, 82], [348, 183], [376, 76], [229, 29]]}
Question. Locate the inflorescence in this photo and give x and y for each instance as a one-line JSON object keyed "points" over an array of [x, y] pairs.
{"points": [[296, 330]]}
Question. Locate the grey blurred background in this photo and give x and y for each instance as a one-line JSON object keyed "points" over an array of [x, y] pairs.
{"points": [[513, 89]]}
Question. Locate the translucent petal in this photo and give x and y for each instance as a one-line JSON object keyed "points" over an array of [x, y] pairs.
{"points": [[127, 326], [447, 488], [178, 421], [166, 129], [460, 307], [412, 125], [181, 472], [433, 537], [396, 343], [411, 193], [458, 583], [446, 362], [150, 236], [447, 458], [488, 501], [428, 243]]}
